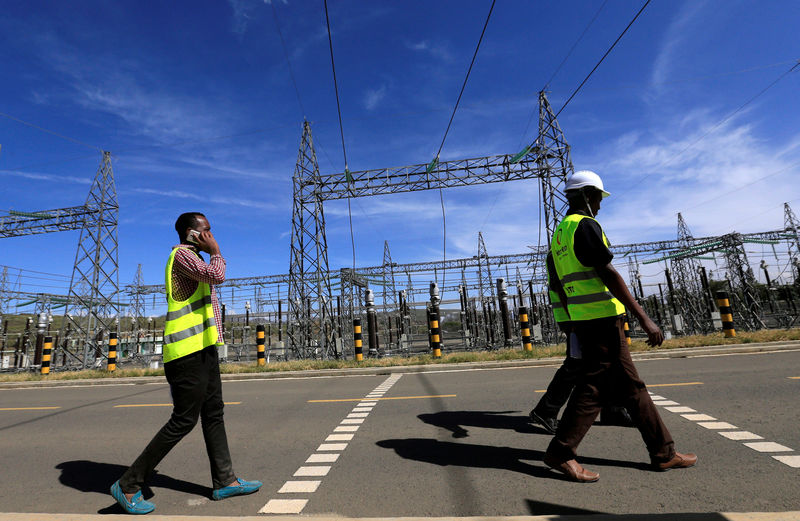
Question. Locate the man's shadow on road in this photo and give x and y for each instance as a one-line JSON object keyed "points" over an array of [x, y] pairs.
{"points": [[92, 476], [454, 421], [446, 453]]}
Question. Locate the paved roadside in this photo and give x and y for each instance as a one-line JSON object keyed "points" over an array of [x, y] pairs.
{"points": [[686, 352], [710, 516]]}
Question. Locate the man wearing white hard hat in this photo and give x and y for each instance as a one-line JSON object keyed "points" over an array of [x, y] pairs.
{"points": [[596, 298]]}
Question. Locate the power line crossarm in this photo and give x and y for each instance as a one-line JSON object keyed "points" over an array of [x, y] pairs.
{"points": [[45, 221], [413, 178]]}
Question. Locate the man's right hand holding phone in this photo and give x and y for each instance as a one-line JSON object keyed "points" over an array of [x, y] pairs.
{"points": [[205, 241]]}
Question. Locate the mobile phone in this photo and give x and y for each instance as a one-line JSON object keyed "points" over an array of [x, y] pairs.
{"points": [[192, 237]]}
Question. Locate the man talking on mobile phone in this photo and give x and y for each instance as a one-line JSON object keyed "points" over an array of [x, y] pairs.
{"points": [[192, 333]]}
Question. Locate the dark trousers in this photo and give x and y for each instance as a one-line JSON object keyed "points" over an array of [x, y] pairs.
{"points": [[196, 392], [559, 389], [563, 383], [608, 376]]}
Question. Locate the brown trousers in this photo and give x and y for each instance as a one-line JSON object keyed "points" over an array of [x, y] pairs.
{"points": [[608, 376]]}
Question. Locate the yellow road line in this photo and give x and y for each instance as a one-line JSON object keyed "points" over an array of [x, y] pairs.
{"points": [[392, 398], [794, 378], [675, 385], [648, 386], [28, 408], [163, 404]]}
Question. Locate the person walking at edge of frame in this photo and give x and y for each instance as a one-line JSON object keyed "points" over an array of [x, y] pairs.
{"points": [[596, 297], [191, 365], [545, 412]]}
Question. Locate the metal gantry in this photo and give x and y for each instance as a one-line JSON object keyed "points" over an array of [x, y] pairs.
{"points": [[546, 159], [92, 303]]}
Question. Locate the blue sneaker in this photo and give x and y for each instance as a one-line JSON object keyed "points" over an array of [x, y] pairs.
{"points": [[243, 487], [137, 504]]}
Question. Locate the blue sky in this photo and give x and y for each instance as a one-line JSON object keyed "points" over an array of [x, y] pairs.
{"points": [[195, 101]]}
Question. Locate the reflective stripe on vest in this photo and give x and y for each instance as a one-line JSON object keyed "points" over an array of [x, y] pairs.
{"points": [[587, 296], [559, 313], [190, 324]]}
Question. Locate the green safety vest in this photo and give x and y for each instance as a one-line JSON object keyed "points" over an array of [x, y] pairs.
{"points": [[587, 297], [190, 325]]}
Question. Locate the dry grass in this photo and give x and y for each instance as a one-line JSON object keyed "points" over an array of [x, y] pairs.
{"points": [[773, 335]]}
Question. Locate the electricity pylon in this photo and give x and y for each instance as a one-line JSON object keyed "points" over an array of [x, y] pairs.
{"points": [[93, 300]]}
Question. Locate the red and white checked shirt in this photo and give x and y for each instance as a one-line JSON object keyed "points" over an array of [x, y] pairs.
{"points": [[189, 268]]}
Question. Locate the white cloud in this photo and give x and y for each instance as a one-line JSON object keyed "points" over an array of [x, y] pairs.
{"points": [[205, 197], [374, 96], [48, 177], [677, 33], [435, 49], [242, 14], [729, 176]]}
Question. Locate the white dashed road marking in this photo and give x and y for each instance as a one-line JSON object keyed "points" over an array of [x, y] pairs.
{"points": [[698, 417], [680, 408], [767, 446], [293, 487], [741, 435], [327, 452], [792, 461], [716, 425], [730, 431]]}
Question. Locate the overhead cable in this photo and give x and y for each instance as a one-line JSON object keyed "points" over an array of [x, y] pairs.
{"points": [[341, 132], [601, 60], [37, 127], [435, 161], [286, 55], [578, 88], [555, 72]]}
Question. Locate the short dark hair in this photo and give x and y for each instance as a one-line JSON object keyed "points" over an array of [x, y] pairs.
{"points": [[186, 220]]}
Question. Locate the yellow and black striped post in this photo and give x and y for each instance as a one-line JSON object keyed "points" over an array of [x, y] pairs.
{"points": [[260, 345], [358, 339], [436, 336], [112, 352], [725, 314], [627, 329], [46, 352], [525, 327]]}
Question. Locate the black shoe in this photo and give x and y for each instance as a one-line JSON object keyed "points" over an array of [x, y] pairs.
{"points": [[549, 424], [617, 416]]}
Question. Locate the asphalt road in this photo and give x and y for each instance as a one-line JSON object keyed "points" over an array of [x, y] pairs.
{"points": [[432, 444]]}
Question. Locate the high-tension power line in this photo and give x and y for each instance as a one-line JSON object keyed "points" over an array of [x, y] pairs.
{"points": [[48, 131], [447, 130]]}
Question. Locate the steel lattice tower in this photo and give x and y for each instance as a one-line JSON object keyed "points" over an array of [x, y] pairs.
{"points": [[487, 296], [137, 304], [3, 289], [688, 290], [743, 281], [309, 282], [792, 227], [389, 296], [551, 153], [93, 300]]}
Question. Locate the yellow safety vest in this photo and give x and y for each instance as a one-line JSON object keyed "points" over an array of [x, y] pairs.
{"points": [[559, 313], [587, 296], [190, 324]]}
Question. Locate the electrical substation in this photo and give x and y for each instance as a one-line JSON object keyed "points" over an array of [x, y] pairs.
{"points": [[315, 310]]}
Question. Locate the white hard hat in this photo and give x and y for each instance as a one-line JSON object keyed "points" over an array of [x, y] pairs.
{"points": [[583, 178]]}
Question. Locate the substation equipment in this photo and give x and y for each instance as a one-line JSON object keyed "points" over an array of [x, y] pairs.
{"points": [[315, 309]]}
